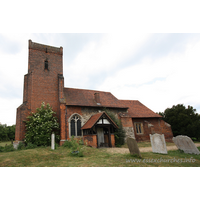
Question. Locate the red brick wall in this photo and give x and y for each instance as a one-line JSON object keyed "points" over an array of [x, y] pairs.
{"points": [[44, 82], [22, 113], [40, 84], [167, 130], [126, 122], [90, 140], [159, 126]]}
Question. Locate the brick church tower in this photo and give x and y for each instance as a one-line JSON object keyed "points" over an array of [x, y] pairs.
{"points": [[43, 83]]}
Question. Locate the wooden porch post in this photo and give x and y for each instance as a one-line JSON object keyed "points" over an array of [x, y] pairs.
{"points": [[109, 138]]}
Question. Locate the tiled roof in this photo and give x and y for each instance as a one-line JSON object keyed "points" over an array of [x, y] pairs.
{"points": [[137, 110], [94, 118], [81, 97]]}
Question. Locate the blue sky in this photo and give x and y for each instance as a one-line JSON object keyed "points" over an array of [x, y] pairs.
{"points": [[160, 70]]}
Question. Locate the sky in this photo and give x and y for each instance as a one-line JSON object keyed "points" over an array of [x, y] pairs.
{"points": [[160, 70]]}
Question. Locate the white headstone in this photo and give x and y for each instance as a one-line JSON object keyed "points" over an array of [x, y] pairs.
{"points": [[186, 144], [158, 143], [53, 141], [15, 144]]}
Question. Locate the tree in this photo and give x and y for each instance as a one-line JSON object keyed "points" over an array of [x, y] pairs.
{"points": [[7, 132], [184, 121], [40, 125]]}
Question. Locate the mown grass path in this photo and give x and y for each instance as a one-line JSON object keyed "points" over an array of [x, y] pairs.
{"points": [[142, 149]]}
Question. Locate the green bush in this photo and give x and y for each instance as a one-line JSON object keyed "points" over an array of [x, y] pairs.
{"points": [[1, 149], [56, 145], [9, 148], [76, 147], [40, 126], [31, 146], [67, 144], [119, 133], [21, 146]]}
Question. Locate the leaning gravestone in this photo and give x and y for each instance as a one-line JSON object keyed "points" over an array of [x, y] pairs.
{"points": [[186, 144], [158, 143], [133, 147]]}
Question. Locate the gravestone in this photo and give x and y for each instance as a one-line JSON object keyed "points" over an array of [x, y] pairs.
{"points": [[158, 143], [133, 147], [15, 144], [186, 144], [53, 141]]}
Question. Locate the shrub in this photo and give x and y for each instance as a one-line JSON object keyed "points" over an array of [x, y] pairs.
{"points": [[21, 146], [76, 147], [67, 144], [1, 149], [9, 148], [56, 145], [31, 146], [119, 133], [40, 126]]}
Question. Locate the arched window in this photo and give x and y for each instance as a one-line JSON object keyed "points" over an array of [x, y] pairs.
{"points": [[75, 125]]}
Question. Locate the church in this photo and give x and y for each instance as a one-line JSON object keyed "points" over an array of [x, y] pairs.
{"points": [[81, 112]]}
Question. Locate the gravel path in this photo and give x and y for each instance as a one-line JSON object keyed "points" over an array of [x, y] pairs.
{"points": [[142, 149]]}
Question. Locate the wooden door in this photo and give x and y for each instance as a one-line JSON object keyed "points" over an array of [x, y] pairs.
{"points": [[100, 136]]}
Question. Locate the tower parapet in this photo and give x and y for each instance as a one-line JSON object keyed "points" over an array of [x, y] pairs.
{"points": [[45, 48]]}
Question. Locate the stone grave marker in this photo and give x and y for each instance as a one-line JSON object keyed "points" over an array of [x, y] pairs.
{"points": [[133, 147], [15, 144], [53, 141], [186, 144], [158, 143]]}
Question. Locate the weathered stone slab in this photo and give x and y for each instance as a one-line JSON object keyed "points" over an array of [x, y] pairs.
{"points": [[15, 144], [133, 147], [158, 143], [186, 144], [53, 141]]}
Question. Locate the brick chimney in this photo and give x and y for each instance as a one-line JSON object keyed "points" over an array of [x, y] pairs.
{"points": [[97, 98]]}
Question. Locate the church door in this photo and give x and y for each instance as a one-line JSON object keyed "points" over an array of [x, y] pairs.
{"points": [[100, 136]]}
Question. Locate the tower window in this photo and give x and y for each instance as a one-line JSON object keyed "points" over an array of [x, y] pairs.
{"points": [[46, 65]]}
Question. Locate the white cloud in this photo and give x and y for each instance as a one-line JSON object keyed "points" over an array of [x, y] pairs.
{"points": [[102, 57], [8, 108], [157, 82], [160, 83]]}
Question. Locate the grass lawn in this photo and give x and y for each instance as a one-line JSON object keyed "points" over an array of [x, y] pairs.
{"points": [[45, 157], [147, 144], [3, 144]]}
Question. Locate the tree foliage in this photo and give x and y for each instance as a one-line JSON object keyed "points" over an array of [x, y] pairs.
{"points": [[40, 125], [184, 121], [7, 132]]}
